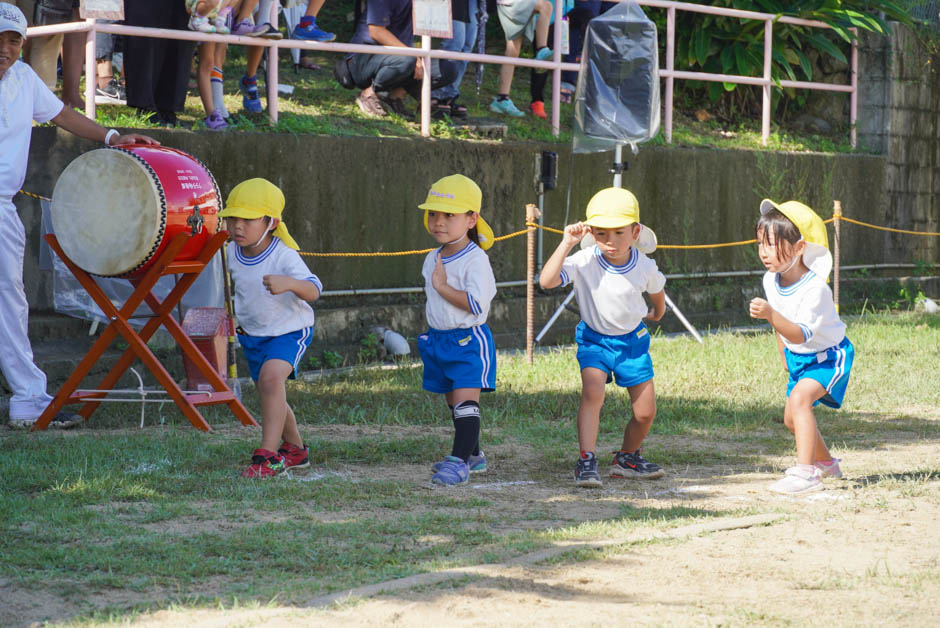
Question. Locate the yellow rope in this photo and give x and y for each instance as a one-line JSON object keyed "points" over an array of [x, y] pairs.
{"points": [[532, 226], [865, 224]]}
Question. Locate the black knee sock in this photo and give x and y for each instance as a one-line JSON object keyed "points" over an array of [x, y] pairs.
{"points": [[466, 429]]}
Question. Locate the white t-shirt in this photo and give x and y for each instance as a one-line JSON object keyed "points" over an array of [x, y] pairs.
{"points": [[468, 270], [809, 304], [24, 98], [259, 312], [610, 297]]}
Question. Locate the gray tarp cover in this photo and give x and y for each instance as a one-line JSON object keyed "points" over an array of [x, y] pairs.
{"points": [[617, 97]]}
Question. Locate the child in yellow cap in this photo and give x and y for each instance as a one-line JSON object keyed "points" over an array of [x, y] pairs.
{"points": [[793, 245], [458, 351], [609, 280], [273, 291]]}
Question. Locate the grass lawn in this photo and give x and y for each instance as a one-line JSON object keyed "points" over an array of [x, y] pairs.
{"points": [[108, 521]]}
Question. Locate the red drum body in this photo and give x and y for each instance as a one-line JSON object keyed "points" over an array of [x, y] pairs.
{"points": [[114, 210]]}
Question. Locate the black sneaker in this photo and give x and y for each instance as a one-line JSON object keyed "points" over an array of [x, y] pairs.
{"points": [[633, 465], [111, 94], [396, 106], [585, 471]]}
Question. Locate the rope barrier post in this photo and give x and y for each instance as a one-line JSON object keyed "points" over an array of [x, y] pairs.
{"points": [[530, 215], [836, 219]]}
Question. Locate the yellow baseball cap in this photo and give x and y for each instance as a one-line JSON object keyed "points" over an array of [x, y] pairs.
{"points": [[257, 198], [813, 231], [457, 194], [616, 207]]}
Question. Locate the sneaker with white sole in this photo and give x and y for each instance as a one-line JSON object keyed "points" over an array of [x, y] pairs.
{"points": [[632, 465], [453, 471], [201, 24], [477, 464], [798, 481], [829, 469], [61, 421], [506, 107], [585, 471]]}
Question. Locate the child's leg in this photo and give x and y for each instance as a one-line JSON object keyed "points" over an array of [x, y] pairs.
{"points": [[593, 389], [218, 86], [466, 414], [799, 418], [313, 7], [203, 7], [276, 416], [643, 399], [544, 9], [204, 75], [513, 47], [246, 9]]}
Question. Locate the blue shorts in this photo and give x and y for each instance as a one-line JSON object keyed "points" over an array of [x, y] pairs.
{"points": [[831, 368], [458, 358], [625, 358], [289, 347]]}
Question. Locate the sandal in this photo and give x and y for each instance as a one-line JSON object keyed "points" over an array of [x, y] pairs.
{"points": [[440, 109], [306, 64], [457, 110]]}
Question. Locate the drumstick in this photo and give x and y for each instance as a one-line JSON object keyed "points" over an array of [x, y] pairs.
{"points": [[233, 383]]}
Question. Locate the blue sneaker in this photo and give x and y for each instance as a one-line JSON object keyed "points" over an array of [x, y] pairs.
{"points": [[250, 100], [477, 464], [453, 471], [544, 54], [312, 32], [505, 107]]}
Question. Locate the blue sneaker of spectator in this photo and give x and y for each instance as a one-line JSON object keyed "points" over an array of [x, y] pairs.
{"points": [[477, 464], [453, 471], [250, 100], [312, 32], [544, 54], [505, 107]]}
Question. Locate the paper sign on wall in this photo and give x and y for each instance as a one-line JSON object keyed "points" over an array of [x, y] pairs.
{"points": [[433, 18], [102, 9]]}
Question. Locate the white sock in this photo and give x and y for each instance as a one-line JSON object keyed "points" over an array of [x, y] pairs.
{"points": [[218, 93], [264, 12]]}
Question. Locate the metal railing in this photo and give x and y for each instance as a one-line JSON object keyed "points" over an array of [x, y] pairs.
{"points": [[669, 73]]}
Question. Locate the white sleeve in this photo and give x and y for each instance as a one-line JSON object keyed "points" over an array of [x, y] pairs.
{"points": [[655, 280], [812, 313], [481, 284], [295, 267], [571, 267], [45, 104]]}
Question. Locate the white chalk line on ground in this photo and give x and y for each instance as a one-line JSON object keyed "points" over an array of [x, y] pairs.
{"points": [[495, 570]]}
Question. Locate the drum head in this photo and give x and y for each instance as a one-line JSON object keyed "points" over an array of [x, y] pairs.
{"points": [[108, 211]]}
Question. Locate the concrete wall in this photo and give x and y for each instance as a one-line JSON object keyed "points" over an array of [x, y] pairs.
{"points": [[360, 194]]}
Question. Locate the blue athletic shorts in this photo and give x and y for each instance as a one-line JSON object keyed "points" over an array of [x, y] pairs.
{"points": [[458, 358], [831, 368], [289, 347], [625, 358]]}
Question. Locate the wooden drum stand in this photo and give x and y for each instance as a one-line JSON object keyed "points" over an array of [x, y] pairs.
{"points": [[137, 341]]}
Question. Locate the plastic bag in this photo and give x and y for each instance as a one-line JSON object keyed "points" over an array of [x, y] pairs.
{"points": [[617, 96]]}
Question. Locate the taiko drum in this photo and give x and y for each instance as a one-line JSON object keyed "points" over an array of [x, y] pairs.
{"points": [[115, 209]]}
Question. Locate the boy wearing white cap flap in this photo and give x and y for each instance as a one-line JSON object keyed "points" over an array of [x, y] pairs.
{"points": [[609, 280], [793, 245], [458, 351], [273, 291]]}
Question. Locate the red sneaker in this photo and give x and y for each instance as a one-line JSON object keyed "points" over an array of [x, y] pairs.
{"points": [[264, 464], [538, 109], [294, 457]]}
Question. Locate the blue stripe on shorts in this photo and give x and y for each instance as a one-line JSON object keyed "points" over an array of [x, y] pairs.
{"points": [[625, 358], [289, 347], [458, 358], [831, 368]]}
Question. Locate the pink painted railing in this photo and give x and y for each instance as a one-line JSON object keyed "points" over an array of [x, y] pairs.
{"points": [[669, 73]]}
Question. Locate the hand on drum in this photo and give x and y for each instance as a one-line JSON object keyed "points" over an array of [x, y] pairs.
{"points": [[133, 138], [277, 284]]}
